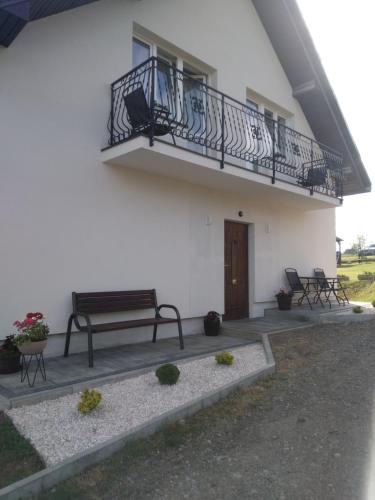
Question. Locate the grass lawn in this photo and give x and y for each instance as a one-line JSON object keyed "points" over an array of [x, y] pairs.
{"points": [[18, 459], [358, 290]]}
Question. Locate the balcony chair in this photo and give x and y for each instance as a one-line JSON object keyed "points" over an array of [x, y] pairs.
{"points": [[140, 116], [313, 176], [330, 286], [297, 286]]}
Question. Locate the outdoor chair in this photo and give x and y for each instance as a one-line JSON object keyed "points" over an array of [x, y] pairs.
{"points": [[140, 116], [330, 286], [298, 286], [313, 176]]}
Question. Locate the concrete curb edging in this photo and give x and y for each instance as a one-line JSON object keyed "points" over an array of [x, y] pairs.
{"points": [[47, 478]]}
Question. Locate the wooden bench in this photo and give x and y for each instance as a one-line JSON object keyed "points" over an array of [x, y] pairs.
{"points": [[86, 304]]}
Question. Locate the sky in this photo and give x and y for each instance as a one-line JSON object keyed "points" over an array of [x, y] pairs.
{"points": [[344, 35]]}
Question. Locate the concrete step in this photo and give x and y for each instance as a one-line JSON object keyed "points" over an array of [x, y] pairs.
{"points": [[321, 315]]}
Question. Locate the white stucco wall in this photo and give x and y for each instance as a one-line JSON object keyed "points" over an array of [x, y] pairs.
{"points": [[68, 222]]}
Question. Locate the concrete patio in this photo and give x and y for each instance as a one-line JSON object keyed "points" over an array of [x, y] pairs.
{"points": [[63, 373]]}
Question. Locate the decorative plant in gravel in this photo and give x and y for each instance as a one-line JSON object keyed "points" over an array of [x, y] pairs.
{"points": [[89, 400], [357, 309], [167, 374], [224, 358]]}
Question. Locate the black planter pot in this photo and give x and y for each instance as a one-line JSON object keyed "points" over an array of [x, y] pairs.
{"points": [[212, 327], [285, 302], [10, 363]]}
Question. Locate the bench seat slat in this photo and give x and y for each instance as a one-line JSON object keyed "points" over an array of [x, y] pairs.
{"points": [[113, 307], [134, 323], [125, 293]]}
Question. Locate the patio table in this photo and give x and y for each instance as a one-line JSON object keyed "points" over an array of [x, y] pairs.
{"points": [[321, 284]]}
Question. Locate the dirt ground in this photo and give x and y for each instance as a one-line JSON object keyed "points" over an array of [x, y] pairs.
{"points": [[303, 434]]}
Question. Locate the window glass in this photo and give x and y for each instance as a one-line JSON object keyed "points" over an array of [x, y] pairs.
{"points": [[268, 115], [251, 104], [281, 134], [166, 81], [141, 52]]}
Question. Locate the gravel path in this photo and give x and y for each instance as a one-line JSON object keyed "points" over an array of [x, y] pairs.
{"points": [[58, 431], [305, 434]]}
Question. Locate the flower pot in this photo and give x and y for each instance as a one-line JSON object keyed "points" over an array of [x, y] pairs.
{"points": [[212, 327], [285, 302], [10, 363], [29, 348]]}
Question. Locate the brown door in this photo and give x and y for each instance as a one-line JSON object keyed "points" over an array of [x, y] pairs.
{"points": [[236, 271]]}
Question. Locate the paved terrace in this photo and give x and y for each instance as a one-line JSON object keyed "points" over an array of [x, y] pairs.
{"points": [[63, 372], [131, 358]]}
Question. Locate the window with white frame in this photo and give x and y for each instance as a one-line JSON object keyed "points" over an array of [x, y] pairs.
{"points": [[141, 52], [180, 96]]}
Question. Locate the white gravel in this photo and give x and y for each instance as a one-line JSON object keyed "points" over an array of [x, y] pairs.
{"points": [[58, 431]]}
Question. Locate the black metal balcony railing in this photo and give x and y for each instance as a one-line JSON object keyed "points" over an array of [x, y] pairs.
{"points": [[156, 99]]}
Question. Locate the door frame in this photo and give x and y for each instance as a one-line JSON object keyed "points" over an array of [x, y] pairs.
{"points": [[248, 242]]}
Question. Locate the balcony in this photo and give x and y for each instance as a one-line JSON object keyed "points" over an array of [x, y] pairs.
{"points": [[175, 123]]}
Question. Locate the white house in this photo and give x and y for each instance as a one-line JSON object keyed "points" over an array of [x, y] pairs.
{"points": [[253, 160]]}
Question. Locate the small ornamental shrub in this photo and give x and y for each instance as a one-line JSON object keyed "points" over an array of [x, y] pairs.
{"points": [[343, 277], [357, 309], [212, 316], [167, 374], [284, 292], [373, 303], [89, 400], [224, 358], [32, 329]]}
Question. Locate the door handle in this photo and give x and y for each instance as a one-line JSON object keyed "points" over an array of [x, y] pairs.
{"points": [[234, 281]]}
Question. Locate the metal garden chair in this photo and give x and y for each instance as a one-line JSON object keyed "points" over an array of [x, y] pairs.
{"points": [[298, 286], [140, 116], [330, 286]]}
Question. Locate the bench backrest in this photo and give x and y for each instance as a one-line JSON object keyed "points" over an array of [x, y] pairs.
{"points": [[107, 302]]}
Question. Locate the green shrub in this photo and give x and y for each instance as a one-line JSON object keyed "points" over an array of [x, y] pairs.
{"points": [[373, 303], [167, 374], [224, 358], [343, 277], [358, 309], [89, 400]]}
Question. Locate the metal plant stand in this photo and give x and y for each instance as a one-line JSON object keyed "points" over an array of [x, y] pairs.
{"points": [[26, 360]]}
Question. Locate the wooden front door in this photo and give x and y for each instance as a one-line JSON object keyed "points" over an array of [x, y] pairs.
{"points": [[236, 271]]}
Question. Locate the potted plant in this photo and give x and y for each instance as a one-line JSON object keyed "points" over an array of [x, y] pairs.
{"points": [[284, 299], [9, 356], [212, 324], [32, 334]]}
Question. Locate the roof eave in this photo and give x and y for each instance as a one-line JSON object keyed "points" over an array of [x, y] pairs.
{"points": [[287, 30]]}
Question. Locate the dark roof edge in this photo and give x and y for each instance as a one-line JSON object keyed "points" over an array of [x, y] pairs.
{"points": [[306, 40]]}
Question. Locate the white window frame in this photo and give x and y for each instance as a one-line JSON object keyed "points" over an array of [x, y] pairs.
{"points": [[180, 61]]}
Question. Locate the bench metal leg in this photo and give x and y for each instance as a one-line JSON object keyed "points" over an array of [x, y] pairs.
{"points": [[90, 349], [180, 334], [68, 334], [154, 334]]}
